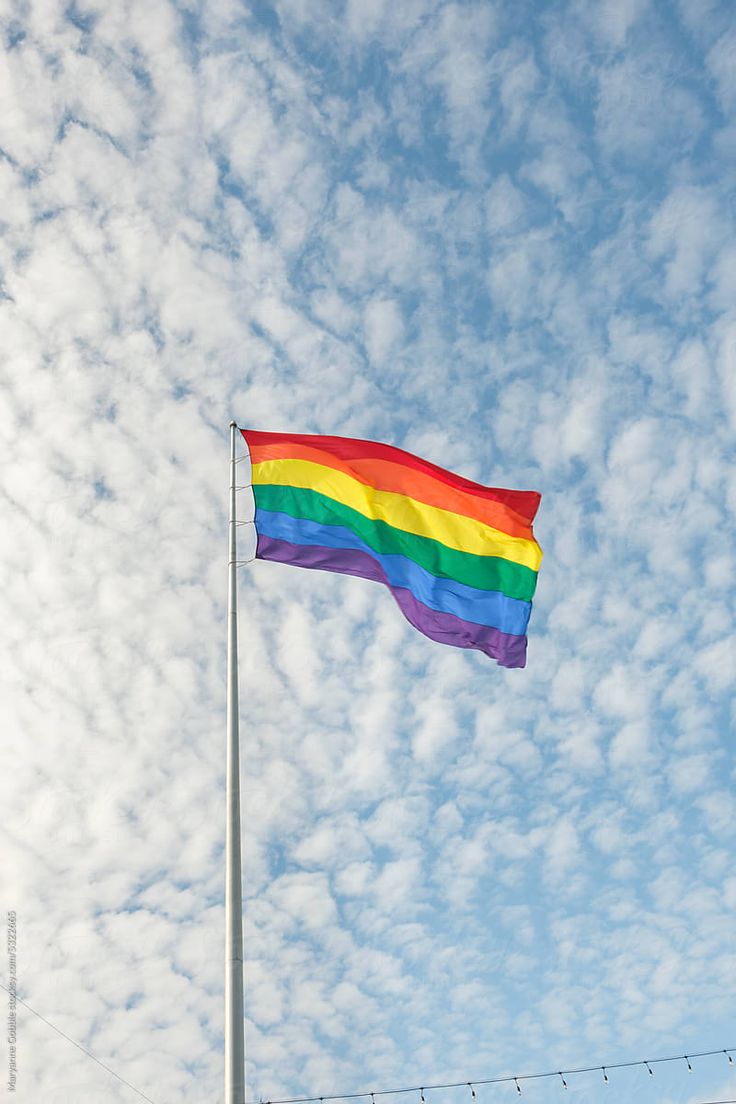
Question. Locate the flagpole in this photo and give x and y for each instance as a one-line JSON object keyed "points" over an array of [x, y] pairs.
{"points": [[234, 1021]]}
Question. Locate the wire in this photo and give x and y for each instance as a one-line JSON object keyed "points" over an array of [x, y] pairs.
{"points": [[646, 1062], [77, 1045], [502, 1080]]}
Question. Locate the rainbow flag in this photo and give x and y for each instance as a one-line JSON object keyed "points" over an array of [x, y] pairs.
{"points": [[459, 558]]}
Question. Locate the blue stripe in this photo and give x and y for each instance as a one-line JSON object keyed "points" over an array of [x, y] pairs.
{"points": [[484, 607]]}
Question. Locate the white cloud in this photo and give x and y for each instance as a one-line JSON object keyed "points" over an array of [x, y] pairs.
{"points": [[720, 59], [612, 20], [504, 242], [383, 328]]}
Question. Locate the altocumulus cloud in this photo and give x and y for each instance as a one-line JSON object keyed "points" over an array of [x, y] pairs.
{"points": [[501, 236]]}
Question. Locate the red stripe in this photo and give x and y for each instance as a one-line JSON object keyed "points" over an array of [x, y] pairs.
{"points": [[281, 446]]}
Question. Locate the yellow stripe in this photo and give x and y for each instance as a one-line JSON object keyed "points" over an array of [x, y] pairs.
{"points": [[451, 529]]}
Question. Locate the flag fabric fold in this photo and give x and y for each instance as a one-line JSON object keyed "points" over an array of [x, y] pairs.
{"points": [[459, 558]]}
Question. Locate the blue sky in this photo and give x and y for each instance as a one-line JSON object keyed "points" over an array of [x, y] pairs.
{"points": [[500, 236]]}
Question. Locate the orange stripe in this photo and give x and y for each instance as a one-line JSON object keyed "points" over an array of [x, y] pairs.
{"points": [[387, 475]]}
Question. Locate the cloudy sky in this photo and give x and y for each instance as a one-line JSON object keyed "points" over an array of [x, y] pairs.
{"points": [[500, 235]]}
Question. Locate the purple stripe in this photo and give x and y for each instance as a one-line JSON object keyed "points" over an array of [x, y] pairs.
{"points": [[507, 650]]}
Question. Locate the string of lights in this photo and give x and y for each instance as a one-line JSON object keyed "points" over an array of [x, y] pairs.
{"points": [[516, 1080]]}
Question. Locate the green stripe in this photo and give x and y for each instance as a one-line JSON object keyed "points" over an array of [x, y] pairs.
{"points": [[483, 572]]}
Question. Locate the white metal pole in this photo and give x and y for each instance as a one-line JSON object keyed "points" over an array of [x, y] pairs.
{"points": [[234, 1021]]}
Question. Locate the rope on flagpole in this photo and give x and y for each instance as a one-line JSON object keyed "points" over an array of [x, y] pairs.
{"points": [[234, 1032]]}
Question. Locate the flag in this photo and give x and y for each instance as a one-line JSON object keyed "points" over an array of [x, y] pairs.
{"points": [[459, 558]]}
